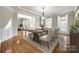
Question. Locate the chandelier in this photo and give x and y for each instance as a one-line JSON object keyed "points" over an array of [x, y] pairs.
{"points": [[43, 16]]}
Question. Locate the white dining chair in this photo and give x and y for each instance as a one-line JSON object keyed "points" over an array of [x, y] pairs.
{"points": [[56, 33], [47, 38]]}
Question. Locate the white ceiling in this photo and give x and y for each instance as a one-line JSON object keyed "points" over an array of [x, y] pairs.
{"points": [[49, 10]]}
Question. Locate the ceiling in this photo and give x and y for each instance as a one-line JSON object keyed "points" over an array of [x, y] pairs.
{"points": [[48, 10]]}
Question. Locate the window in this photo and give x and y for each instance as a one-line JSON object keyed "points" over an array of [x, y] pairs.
{"points": [[31, 23], [27, 21], [49, 22], [63, 24]]}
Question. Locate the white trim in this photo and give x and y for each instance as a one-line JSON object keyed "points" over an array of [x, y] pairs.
{"points": [[8, 38]]}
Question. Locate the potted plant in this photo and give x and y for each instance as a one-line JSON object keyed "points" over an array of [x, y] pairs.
{"points": [[73, 29], [77, 25]]}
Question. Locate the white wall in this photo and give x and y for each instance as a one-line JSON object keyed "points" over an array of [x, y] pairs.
{"points": [[6, 15], [54, 22], [70, 20]]}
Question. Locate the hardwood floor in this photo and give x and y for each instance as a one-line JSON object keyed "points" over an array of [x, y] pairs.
{"points": [[17, 45], [58, 50]]}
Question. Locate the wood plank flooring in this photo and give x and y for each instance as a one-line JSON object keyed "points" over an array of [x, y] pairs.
{"points": [[19, 45], [16, 45]]}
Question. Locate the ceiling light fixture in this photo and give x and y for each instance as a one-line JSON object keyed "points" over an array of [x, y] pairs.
{"points": [[43, 16]]}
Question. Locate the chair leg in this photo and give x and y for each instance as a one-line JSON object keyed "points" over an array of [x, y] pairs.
{"points": [[40, 42], [51, 41], [48, 44], [54, 39]]}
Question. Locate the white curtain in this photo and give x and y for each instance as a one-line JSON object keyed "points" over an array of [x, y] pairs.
{"points": [[31, 23]]}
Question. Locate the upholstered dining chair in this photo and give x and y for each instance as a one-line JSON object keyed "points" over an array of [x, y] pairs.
{"points": [[56, 33], [47, 38]]}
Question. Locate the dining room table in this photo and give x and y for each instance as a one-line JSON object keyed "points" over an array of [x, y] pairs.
{"points": [[36, 33]]}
